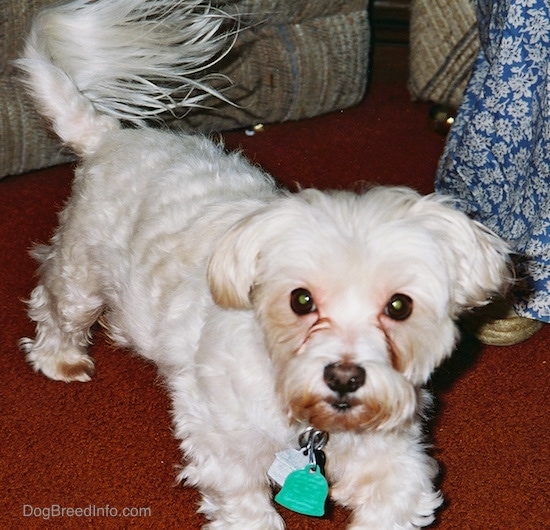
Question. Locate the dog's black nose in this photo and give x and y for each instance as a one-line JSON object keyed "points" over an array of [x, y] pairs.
{"points": [[344, 378]]}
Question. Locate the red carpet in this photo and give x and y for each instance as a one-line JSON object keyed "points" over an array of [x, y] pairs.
{"points": [[107, 444]]}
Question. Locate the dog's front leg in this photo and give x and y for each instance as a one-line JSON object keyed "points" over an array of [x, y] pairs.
{"points": [[226, 456], [388, 485], [235, 490]]}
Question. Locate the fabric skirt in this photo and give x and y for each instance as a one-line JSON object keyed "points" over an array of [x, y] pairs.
{"points": [[497, 155]]}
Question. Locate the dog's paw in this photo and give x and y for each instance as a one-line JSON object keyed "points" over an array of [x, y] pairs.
{"points": [[240, 513], [402, 516], [274, 522], [64, 366]]}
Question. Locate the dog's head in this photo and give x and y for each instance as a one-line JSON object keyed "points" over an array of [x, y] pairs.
{"points": [[357, 296]]}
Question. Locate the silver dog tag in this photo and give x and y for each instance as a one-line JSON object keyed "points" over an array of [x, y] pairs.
{"points": [[285, 463]]}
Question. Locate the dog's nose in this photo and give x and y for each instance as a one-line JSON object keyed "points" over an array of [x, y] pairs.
{"points": [[344, 378]]}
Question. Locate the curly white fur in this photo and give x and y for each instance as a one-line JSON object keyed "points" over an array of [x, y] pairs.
{"points": [[193, 257]]}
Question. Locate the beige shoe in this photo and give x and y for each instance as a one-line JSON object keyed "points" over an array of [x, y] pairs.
{"points": [[497, 324]]}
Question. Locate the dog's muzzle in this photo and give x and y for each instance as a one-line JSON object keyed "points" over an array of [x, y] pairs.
{"points": [[344, 379]]}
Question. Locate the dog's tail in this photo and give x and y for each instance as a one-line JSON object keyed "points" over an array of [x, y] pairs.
{"points": [[92, 64]]}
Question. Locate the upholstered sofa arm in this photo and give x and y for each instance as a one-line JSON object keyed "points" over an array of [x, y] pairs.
{"points": [[443, 46]]}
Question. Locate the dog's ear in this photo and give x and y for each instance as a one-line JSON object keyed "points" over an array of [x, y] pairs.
{"points": [[233, 265], [479, 261]]}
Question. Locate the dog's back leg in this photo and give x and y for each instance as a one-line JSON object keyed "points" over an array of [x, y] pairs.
{"points": [[64, 306]]}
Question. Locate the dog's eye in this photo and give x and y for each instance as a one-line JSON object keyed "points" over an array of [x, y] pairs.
{"points": [[399, 307], [301, 302]]}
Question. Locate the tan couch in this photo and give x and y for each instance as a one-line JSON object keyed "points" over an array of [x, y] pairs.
{"points": [[300, 58]]}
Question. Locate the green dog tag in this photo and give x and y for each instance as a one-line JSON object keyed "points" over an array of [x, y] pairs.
{"points": [[305, 491]]}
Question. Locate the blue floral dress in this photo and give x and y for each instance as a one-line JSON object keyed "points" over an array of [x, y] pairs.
{"points": [[497, 156]]}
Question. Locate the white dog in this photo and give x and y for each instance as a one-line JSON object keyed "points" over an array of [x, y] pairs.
{"points": [[267, 312]]}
